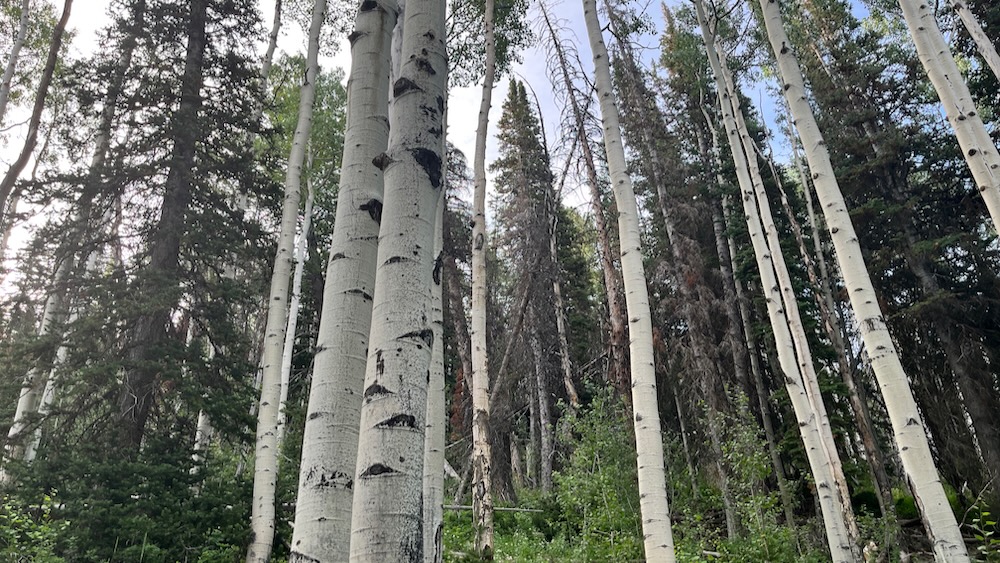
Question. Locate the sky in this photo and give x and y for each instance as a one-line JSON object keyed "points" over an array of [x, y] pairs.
{"points": [[90, 16]]}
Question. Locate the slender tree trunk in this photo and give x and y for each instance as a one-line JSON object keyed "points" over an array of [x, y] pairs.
{"points": [[288, 347], [983, 43], [977, 146], [908, 429], [482, 486], [658, 539], [810, 417], [15, 52], [268, 434], [387, 522], [162, 272], [326, 476], [552, 208], [434, 433], [42, 92]]}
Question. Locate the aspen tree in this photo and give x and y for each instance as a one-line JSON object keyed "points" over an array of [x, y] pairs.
{"points": [[266, 451], [983, 43], [768, 260], [978, 149], [300, 258], [657, 536], [387, 514], [41, 93], [434, 434], [15, 53], [330, 441], [482, 485], [907, 425]]}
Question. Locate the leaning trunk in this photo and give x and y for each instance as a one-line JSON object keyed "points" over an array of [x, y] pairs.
{"points": [[911, 438], [977, 146], [266, 455], [658, 539], [15, 52]]}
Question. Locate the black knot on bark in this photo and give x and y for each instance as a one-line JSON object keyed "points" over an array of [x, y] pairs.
{"points": [[374, 209], [784, 48], [377, 469], [354, 36], [382, 161], [402, 86], [425, 65], [368, 5], [404, 420], [376, 390], [436, 274], [430, 161], [427, 335]]}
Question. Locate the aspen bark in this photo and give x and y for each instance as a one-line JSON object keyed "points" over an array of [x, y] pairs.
{"points": [[435, 427], [980, 153], [482, 484], [266, 452], [326, 474], [41, 93], [907, 425], [15, 52], [657, 536], [387, 513], [983, 43], [288, 347], [768, 259]]}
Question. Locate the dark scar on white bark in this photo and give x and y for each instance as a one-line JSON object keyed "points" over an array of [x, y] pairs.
{"points": [[405, 420], [479, 241], [425, 66], [354, 36], [364, 295], [334, 479], [427, 335], [338, 256], [374, 209], [402, 86], [297, 557], [430, 161], [377, 469], [382, 161], [368, 5], [376, 390], [438, 263]]}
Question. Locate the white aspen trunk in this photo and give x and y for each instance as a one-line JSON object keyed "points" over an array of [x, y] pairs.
{"points": [[301, 256], [907, 425], [977, 146], [657, 536], [434, 429], [266, 450], [975, 29], [330, 442], [32, 384], [482, 484], [793, 318], [805, 410], [15, 52], [387, 514]]}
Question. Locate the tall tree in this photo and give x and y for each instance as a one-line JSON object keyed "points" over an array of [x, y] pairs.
{"points": [[658, 538], [387, 513], [15, 52], [978, 148], [326, 472], [911, 438], [482, 487]]}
